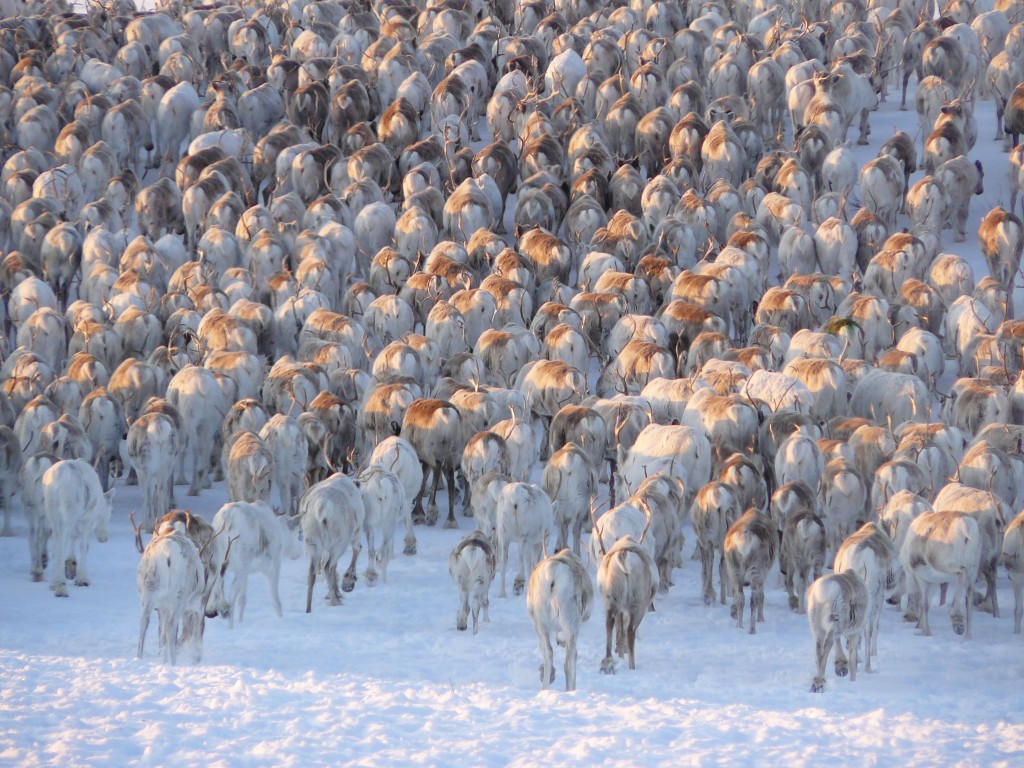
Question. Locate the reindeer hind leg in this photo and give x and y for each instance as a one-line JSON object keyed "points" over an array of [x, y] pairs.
{"points": [[451, 523], [822, 649], [310, 581]]}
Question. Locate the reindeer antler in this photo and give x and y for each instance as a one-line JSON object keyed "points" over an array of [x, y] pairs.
{"points": [[138, 532]]}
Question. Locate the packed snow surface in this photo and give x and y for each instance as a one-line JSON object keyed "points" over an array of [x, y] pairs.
{"points": [[385, 679]]}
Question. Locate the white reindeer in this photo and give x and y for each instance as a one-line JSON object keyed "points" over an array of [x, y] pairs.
{"points": [[472, 567], [802, 555], [283, 437], [523, 516], [715, 508], [76, 508], [836, 608], [170, 580], [627, 591], [396, 455], [31, 480], [559, 599], [750, 547], [570, 480], [941, 547], [384, 501], [870, 554], [260, 539], [332, 513]]}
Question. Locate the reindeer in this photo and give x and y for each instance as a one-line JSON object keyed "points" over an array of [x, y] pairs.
{"points": [[941, 547], [434, 429], [802, 555], [991, 514], [250, 468], [749, 548], [871, 554], [715, 509], [559, 599], [627, 590], [524, 516], [153, 447], [260, 539], [1013, 559], [1002, 239], [837, 607], [397, 455], [76, 509], [472, 567], [331, 517], [170, 579], [570, 479]]}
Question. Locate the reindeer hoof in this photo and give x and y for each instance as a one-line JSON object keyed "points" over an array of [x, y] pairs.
{"points": [[81, 582], [733, 611], [461, 625], [410, 548], [607, 667], [517, 587], [37, 577], [70, 569], [842, 668], [959, 627], [450, 524], [371, 579], [709, 599], [818, 685], [794, 603], [60, 590]]}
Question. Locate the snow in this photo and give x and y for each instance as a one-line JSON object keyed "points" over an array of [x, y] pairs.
{"points": [[386, 679]]}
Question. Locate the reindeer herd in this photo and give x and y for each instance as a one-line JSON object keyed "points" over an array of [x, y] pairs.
{"points": [[550, 254]]}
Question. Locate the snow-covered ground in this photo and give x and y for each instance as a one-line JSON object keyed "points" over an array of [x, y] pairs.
{"points": [[386, 679]]}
